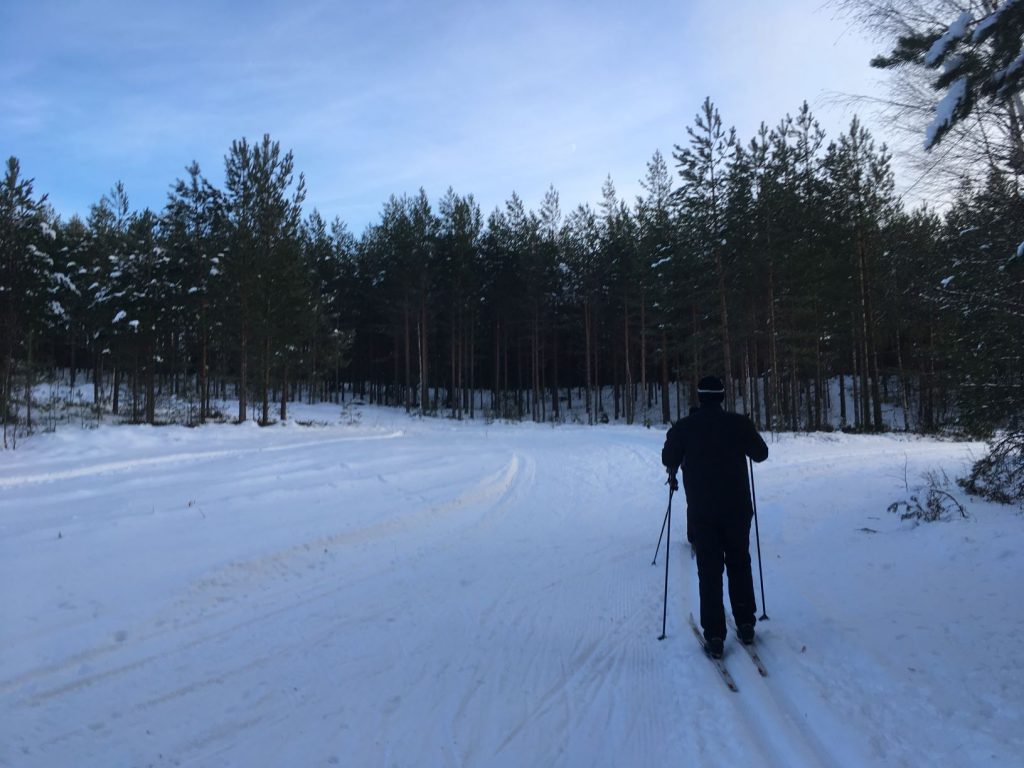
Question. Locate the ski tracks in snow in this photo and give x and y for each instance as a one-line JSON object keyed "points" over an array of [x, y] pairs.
{"points": [[242, 620], [459, 597]]}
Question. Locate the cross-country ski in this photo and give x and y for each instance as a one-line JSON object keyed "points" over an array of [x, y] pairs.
{"points": [[752, 652], [718, 663]]}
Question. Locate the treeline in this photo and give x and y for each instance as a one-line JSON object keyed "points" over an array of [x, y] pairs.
{"points": [[785, 263]]}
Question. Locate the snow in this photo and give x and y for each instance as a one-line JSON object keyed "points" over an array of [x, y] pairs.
{"points": [[955, 32], [944, 110], [990, 20], [376, 589], [121, 315], [1011, 70], [63, 281]]}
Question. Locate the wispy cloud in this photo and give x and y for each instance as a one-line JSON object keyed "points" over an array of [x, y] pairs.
{"points": [[385, 97]]}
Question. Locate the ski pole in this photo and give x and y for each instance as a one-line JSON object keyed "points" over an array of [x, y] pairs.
{"points": [[668, 521], [664, 520], [757, 535]]}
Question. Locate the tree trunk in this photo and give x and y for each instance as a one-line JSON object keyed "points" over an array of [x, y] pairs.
{"points": [[643, 358], [497, 369], [115, 399], [817, 380], [472, 368], [204, 381], [28, 383], [408, 362], [150, 383], [842, 400], [666, 406], [745, 388], [695, 370], [730, 392], [535, 364], [869, 387], [629, 404], [904, 382], [424, 369], [5, 401], [590, 381], [794, 392], [243, 370], [97, 375], [556, 408], [755, 387], [265, 384], [72, 339], [284, 392], [773, 343], [855, 378], [135, 386]]}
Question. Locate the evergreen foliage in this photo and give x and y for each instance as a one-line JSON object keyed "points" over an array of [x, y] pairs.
{"points": [[785, 263]]}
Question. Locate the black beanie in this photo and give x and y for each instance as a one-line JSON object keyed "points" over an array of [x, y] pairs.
{"points": [[710, 390]]}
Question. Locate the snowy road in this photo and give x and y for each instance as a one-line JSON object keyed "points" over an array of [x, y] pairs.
{"points": [[423, 593]]}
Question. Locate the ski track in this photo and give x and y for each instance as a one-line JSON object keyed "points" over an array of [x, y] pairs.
{"points": [[419, 597]]}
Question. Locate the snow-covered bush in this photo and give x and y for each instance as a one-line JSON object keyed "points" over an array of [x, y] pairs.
{"points": [[999, 476]]}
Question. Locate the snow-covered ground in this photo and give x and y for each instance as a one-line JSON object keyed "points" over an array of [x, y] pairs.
{"points": [[390, 591]]}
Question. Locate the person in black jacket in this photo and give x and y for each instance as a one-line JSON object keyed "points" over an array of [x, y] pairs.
{"points": [[712, 446]]}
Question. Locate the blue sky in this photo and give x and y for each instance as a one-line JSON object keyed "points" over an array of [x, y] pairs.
{"points": [[385, 97]]}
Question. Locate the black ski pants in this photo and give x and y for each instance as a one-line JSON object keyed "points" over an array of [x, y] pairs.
{"points": [[723, 543]]}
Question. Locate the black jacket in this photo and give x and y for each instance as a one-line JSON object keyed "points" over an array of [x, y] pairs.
{"points": [[712, 446]]}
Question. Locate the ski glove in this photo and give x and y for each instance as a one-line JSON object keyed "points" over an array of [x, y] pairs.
{"points": [[673, 483]]}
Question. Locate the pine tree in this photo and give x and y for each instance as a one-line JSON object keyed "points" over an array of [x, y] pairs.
{"points": [[624, 290], [982, 290], [545, 293], [71, 259], [581, 252], [656, 244], [263, 260], [978, 59], [458, 244], [27, 281], [862, 202], [106, 320], [703, 168], [194, 230], [423, 228]]}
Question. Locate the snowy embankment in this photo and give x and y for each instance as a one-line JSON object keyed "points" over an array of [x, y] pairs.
{"points": [[399, 592]]}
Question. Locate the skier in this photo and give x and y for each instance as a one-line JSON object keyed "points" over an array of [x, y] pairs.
{"points": [[712, 445]]}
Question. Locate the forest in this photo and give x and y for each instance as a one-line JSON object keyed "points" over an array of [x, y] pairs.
{"points": [[785, 262]]}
